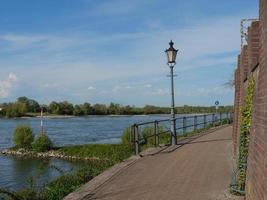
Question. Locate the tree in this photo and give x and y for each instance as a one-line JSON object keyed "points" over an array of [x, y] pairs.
{"points": [[66, 108], [31, 105], [87, 109], [17, 109], [100, 109], [23, 136], [54, 108], [78, 111], [114, 109]]}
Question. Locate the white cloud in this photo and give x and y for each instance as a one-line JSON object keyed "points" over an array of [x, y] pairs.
{"points": [[57, 56], [117, 88], [118, 7], [12, 77], [91, 88], [6, 85], [148, 86], [50, 85], [21, 39], [161, 92], [204, 91]]}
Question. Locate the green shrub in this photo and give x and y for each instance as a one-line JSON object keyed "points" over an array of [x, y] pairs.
{"points": [[23, 136], [245, 124], [42, 143], [27, 194], [149, 138], [113, 152], [67, 183], [126, 137]]}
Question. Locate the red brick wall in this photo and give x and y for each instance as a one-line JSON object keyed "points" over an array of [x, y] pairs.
{"points": [[244, 64], [256, 187], [253, 45], [240, 90]]}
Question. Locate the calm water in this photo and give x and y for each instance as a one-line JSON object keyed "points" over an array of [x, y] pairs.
{"points": [[14, 172]]}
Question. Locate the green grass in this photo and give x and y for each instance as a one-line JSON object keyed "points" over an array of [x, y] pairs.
{"points": [[65, 184], [107, 154], [165, 137], [112, 152]]}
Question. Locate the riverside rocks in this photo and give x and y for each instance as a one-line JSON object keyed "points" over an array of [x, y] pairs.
{"points": [[49, 154]]}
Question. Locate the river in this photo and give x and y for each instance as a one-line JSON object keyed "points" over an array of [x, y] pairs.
{"points": [[15, 172]]}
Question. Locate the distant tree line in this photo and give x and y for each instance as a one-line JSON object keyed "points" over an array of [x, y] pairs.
{"points": [[25, 106]]}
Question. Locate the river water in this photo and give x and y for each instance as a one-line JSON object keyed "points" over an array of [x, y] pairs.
{"points": [[15, 172]]}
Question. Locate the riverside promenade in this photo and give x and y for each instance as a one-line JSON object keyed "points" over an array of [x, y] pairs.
{"points": [[198, 170]]}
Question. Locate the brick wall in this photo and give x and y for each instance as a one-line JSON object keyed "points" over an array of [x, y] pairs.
{"points": [[253, 45], [241, 75], [256, 185], [244, 65]]}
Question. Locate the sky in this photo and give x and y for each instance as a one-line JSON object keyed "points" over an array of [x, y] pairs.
{"points": [[113, 50]]}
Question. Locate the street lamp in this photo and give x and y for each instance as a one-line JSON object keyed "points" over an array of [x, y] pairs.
{"points": [[171, 53]]}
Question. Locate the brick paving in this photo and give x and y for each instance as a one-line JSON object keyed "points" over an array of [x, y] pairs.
{"points": [[199, 170]]}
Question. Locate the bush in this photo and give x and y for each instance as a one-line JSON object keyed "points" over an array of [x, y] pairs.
{"points": [[126, 137], [245, 125], [42, 143], [112, 152], [27, 194], [23, 136], [67, 183]]}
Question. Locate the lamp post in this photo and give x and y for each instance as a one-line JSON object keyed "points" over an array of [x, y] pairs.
{"points": [[171, 53]]}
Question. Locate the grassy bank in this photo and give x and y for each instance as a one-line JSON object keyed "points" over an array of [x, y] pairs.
{"points": [[107, 155], [112, 152]]}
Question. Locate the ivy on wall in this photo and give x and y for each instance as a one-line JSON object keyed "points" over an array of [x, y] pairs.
{"points": [[246, 118]]}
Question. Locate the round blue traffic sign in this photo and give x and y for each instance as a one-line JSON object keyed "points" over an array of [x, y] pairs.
{"points": [[217, 103]]}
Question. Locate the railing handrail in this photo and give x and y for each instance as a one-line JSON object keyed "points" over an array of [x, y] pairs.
{"points": [[135, 127], [177, 118]]}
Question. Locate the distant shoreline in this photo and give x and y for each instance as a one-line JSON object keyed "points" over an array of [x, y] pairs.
{"points": [[73, 116], [112, 115]]}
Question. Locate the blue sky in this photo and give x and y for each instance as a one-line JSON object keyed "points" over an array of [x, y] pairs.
{"points": [[113, 50]]}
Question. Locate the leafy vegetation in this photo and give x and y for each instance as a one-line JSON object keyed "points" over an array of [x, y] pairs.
{"points": [[23, 136], [149, 139], [112, 152], [60, 186], [246, 118], [126, 137], [42, 143], [67, 183], [28, 107]]}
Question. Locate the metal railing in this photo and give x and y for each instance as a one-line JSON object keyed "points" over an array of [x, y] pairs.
{"points": [[184, 125]]}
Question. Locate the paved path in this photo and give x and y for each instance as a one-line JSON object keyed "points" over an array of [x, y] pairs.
{"points": [[200, 170]]}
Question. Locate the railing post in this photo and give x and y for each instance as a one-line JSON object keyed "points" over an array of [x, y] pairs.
{"points": [[136, 138], [205, 121], [184, 124], [221, 118], [156, 133], [195, 123]]}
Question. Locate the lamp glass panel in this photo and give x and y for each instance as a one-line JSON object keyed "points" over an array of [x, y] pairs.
{"points": [[169, 56]]}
